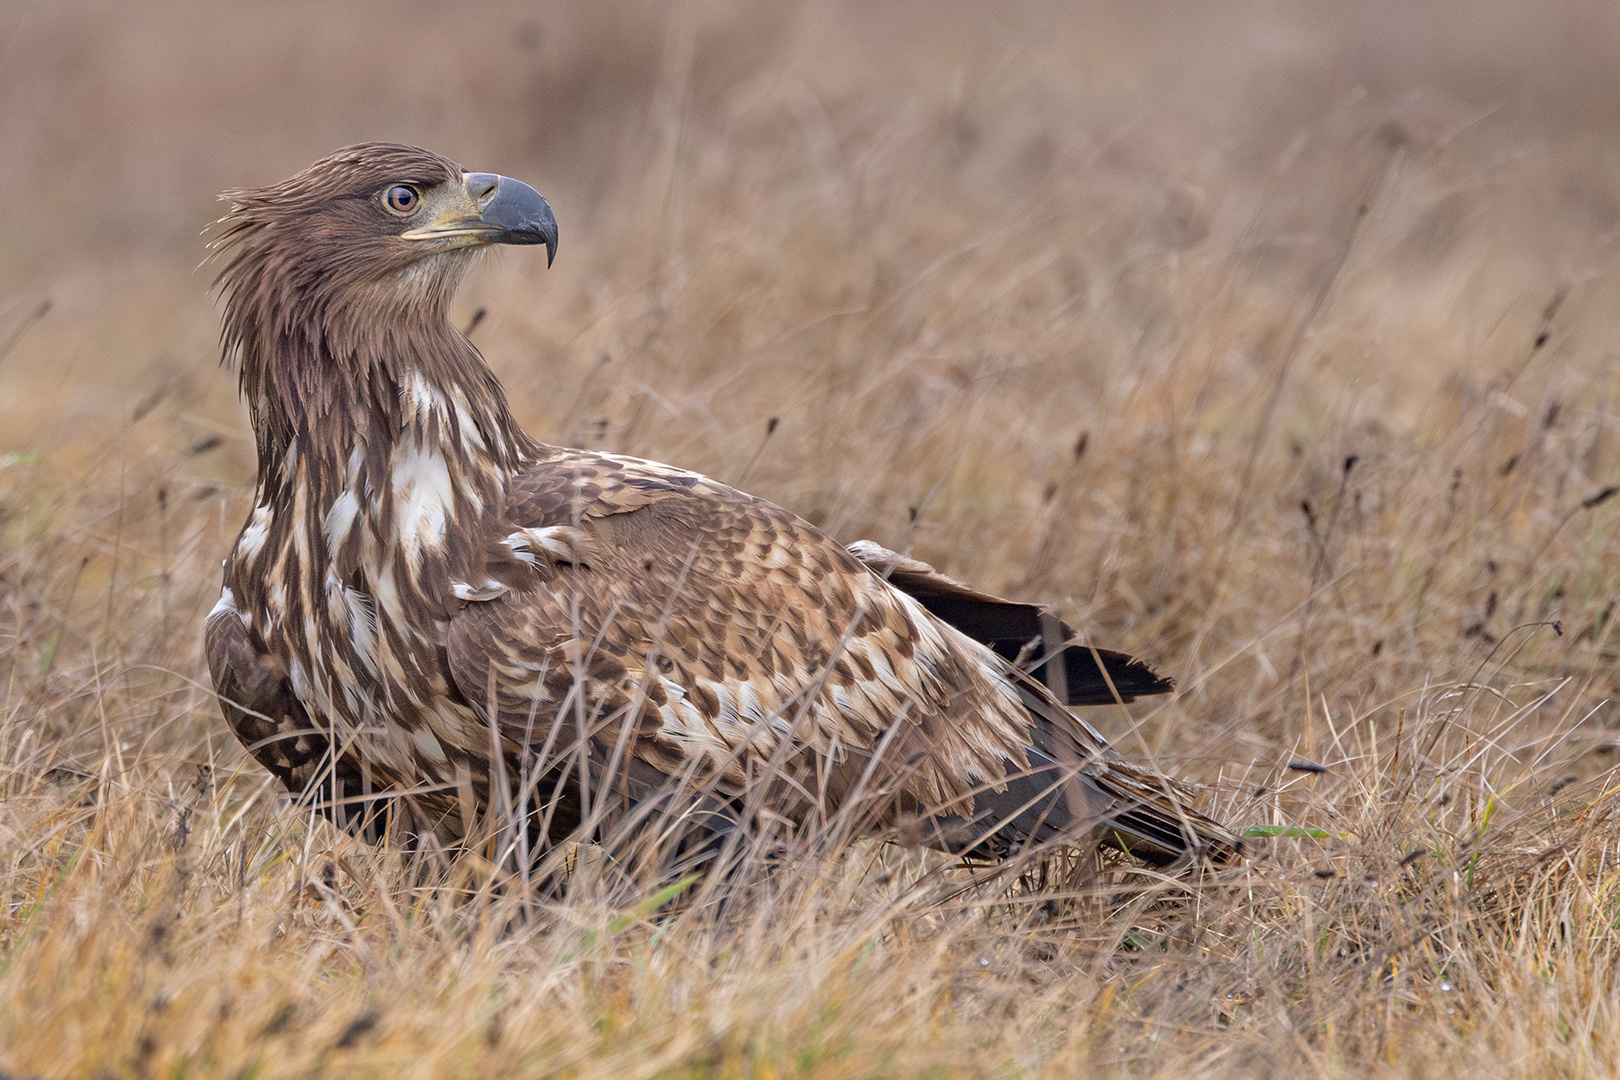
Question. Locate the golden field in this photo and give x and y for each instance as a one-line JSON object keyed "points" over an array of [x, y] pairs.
{"points": [[1271, 343]]}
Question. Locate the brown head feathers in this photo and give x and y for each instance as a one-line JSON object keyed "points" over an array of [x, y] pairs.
{"points": [[329, 307]]}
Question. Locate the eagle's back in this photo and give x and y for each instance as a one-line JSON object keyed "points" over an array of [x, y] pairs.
{"points": [[727, 638]]}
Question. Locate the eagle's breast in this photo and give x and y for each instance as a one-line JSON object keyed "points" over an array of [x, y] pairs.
{"points": [[349, 578]]}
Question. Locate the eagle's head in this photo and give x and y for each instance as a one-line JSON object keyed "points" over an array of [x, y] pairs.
{"points": [[375, 231]]}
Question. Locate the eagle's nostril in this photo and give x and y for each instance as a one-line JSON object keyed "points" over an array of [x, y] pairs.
{"points": [[482, 187]]}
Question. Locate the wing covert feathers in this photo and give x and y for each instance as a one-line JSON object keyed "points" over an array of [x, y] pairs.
{"points": [[737, 633]]}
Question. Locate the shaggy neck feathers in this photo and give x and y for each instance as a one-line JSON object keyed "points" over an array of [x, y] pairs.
{"points": [[330, 365], [379, 427]]}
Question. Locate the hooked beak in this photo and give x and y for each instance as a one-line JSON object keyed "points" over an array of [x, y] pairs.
{"points": [[508, 212]]}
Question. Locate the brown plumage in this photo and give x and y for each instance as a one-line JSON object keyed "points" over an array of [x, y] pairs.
{"points": [[418, 574]]}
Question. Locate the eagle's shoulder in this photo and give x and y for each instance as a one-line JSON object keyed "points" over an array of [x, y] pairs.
{"points": [[641, 516], [569, 485]]}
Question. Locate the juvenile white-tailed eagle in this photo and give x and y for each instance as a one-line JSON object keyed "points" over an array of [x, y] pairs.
{"points": [[420, 580]]}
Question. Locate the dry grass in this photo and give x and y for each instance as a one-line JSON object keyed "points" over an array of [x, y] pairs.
{"points": [[1299, 389]]}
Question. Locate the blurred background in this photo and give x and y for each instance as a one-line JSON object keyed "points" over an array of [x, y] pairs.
{"points": [[1272, 340], [816, 142]]}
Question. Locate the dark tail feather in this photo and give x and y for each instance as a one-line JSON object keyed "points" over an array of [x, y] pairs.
{"points": [[1016, 632], [1116, 808], [1026, 633]]}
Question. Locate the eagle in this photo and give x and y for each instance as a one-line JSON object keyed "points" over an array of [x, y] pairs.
{"points": [[430, 610]]}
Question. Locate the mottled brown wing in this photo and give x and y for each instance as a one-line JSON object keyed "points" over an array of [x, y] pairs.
{"points": [[259, 705], [1027, 633], [725, 639]]}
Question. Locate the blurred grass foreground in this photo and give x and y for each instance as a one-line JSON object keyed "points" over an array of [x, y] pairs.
{"points": [[1272, 343]]}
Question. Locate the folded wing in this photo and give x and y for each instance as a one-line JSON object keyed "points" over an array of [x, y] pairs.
{"points": [[664, 619]]}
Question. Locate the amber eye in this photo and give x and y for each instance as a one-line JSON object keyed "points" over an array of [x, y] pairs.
{"points": [[401, 199]]}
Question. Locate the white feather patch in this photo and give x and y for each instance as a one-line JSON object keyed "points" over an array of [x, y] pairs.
{"points": [[426, 745], [340, 519], [251, 542], [354, 609], [422, 395], [422, 495], [227, 602], [468, 426], [558, 543], [488, 591]]}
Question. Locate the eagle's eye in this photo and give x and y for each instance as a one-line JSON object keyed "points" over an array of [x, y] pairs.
{"points": [[401, 199]]}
